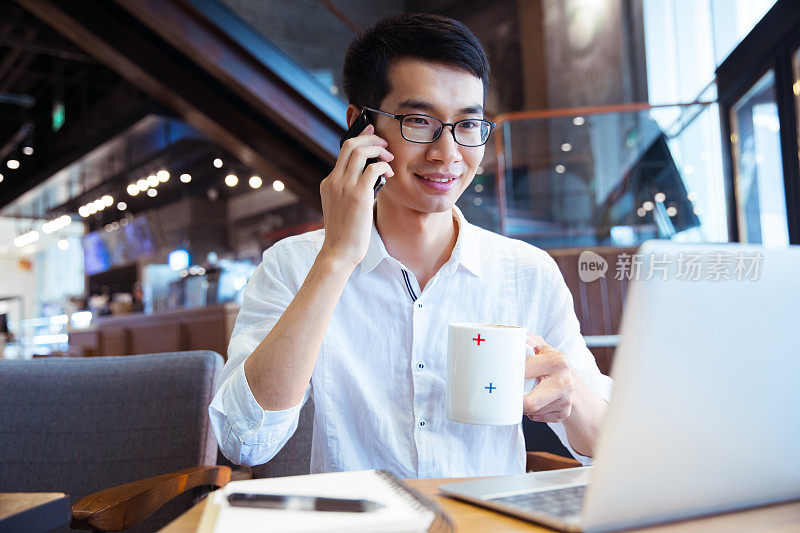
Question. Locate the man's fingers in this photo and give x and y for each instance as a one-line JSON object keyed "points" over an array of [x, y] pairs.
{"points": [[365, 138], [545, 364], [540, 397], [358, 160], [539, 344], [552, 417], [374, 171]]}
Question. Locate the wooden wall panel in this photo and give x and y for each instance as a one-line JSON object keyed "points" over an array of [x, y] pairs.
{"points": [[156, 338], [113, 341], [207, 328]]}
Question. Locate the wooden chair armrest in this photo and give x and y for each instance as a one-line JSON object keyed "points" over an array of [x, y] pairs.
{"points": [[538, 461], [124, 506]]}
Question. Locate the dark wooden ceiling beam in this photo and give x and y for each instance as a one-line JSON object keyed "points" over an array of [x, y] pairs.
{"points": [[211, 37], [300, 149], [59, 50]]}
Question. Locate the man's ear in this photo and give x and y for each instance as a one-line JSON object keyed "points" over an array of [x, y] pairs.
{"points": [[352, 114]]}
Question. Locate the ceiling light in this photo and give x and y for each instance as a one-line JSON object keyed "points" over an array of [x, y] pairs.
{"points": [[99, 204], [231, 180], [566, 147], [692, 196], [186, 178], [578, 121], [660, 197], [28, 150], [92, 208], [163, 176], [255, 182], [108, 201], [672, 211], [26, 238], [83, 211], [63, 244], [218, 162], [133, 190], [152, 180], [648, 206], [641, 211], [561, 169], [122, 206], [278, 185], [151, 192], [1, 178], [13, 164], [142, 184]]}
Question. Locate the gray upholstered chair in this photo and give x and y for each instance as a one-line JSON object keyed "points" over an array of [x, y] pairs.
{"points": [[82, 425]]}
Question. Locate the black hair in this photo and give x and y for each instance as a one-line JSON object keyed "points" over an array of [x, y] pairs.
{"points": [[418, 36]]}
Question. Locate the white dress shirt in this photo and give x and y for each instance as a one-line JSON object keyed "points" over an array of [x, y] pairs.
{"points": [[379, 380]]}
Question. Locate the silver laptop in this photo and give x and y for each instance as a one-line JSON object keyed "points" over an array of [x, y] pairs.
{"points": [[705, 413]]}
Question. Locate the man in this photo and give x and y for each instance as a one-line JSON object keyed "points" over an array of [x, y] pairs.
{"points": [[356, 315]]}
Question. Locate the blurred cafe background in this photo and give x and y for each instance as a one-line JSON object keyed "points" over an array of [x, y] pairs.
{"points": [[150, 151]]}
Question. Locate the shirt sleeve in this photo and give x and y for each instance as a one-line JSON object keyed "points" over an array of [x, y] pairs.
{"points": [[562, 331], [246, 433]]}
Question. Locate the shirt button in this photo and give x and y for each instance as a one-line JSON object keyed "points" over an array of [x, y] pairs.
{"points": [[422, 423], [420, 365]]}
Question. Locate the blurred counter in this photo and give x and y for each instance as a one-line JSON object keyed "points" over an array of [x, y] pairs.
{"points": [[203, 328]]}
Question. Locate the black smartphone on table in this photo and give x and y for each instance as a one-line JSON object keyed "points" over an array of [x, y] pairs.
{"points": [[361, 122]]}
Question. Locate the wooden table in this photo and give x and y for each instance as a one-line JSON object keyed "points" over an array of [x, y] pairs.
{"points": [[33, 511], [468, 518]]}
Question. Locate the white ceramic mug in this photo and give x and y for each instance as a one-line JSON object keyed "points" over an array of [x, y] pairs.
{"points": [[486, 373]]}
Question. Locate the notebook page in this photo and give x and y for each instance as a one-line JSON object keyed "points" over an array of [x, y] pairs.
{"points": [[400, 513]]}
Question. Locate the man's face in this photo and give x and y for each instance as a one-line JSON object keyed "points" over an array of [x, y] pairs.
{"points": [[449, 94]]}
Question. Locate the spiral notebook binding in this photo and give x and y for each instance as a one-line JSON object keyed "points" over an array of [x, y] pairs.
{"points": [[441, 522]]}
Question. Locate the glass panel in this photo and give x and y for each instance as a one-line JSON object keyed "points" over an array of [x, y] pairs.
{"points": [[732, 21], [605, 179], [685, 40], [758, 171]]}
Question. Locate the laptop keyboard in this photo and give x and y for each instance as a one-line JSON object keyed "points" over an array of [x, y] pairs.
{"points": [[558, 502]]}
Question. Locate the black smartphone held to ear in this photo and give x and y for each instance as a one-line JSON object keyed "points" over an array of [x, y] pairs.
{"points": [[361, 122]]}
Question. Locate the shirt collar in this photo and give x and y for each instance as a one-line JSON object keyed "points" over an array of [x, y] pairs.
{"points": [[465, 252], [376, 251]]}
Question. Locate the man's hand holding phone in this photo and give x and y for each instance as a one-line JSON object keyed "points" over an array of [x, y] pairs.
{"points": [[348, 195]]}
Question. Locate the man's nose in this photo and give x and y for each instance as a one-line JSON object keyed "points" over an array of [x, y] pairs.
{"points": [[445, 148]]}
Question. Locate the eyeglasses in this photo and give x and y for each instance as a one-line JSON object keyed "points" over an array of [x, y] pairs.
{"points": [[419, 128]]}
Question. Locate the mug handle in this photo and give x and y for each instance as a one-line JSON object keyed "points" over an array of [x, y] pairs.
{"points": [[530, 383]]}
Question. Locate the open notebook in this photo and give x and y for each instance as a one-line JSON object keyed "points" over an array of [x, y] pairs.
{"points": [[405, 509]]}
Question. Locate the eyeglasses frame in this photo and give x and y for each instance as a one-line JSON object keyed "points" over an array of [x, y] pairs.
{"points": [[452, 125]]}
